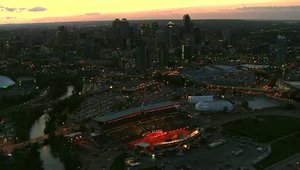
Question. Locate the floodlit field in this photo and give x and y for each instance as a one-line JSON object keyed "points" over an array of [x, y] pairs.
{"points": [[158, 137]]}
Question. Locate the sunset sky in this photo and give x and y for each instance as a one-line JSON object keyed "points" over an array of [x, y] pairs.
{"points": [[31, 11]]}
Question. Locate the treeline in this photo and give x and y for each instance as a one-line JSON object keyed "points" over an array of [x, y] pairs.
{"points": [[24, 118], [10, 101], [22, 159], [57, 90], [62, 79], [65, 151], [60, 112], [58, 83]]}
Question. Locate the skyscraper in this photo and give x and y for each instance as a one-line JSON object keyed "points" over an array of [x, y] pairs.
{"points": [[186, 51], [120, 33], [142, 60], [281, 50], [62, 38], [174, 35], [154, 27], [163, 55], [187, 24], [187, 20]]}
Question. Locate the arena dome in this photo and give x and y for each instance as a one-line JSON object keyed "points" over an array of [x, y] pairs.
{"points": [[5, 82], [214, 106]]}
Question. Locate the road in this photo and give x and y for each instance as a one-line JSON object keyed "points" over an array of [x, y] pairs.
{"points": [[286, 164]]}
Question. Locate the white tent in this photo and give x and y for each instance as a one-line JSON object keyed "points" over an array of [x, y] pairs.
{"points": [[214, 106]]}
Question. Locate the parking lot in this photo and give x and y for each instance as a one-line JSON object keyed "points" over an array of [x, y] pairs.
{"points": [[203, 157]]}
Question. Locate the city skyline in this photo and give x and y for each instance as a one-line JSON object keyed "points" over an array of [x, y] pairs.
{"points": [[33, 11], [130, 91]]}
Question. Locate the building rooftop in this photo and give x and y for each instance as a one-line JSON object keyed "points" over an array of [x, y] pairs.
{"points": [[5, 82], [255, 66], [226, 68], [295, 84], [116, 115], [143, 144], [25, 79]]}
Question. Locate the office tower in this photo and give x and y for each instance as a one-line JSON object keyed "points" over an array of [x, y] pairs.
{"points": [[281, 50], [62, 39], [187, 20], [120, 33], [163, 55], [187, 24], [145, 29], [186, 51], [173, 35], [154, 27], [142, 60]]}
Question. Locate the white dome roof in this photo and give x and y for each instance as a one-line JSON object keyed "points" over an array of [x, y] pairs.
{"points": [[5, 82], [214, 106]]}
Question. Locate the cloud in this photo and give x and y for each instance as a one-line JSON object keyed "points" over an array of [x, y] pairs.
{"points": [[13, 9], [8, 9], [84, 17], [21, 9], [10, 17], [37, 9], [237, 12], [269, 8], [93, 14]]}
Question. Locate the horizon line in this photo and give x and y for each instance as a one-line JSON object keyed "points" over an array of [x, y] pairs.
{"points": [[147, 19]]}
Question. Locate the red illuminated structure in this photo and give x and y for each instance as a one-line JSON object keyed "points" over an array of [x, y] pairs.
{"points": [[162, 138]]}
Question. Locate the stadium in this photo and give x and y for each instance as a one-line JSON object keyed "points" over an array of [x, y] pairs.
{"points": [[115, 120], [6, 82], [149, 127]]}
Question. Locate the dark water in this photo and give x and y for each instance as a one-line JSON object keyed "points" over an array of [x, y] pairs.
{"points": [[37, 129]]}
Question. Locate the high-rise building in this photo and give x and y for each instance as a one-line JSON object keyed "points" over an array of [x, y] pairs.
{"points": [[120, 33], [145, 29], [62, 38], [163, 55], [187, 24], [186, 51], [187, 20], [281, 50], [174, 35], [154, 27], [161, 37], [142, 60]]}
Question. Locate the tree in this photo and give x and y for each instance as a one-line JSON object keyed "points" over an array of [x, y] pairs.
{"points": [[245, 105]]}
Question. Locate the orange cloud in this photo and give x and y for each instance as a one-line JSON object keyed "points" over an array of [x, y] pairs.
{"points": [[262, 12]]}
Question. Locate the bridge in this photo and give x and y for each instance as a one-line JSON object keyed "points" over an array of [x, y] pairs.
{"points": [[10, 148]]}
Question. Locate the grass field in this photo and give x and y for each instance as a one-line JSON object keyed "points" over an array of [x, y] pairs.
{"points": [[266, 129], [118, 162], [281, 150], [262, 128]]}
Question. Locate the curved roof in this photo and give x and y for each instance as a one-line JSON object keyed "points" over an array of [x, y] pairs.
{"points": [[214, 106], [5, 82], [109, 117]]}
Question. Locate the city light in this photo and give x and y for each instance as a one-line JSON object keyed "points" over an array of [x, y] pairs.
{"points": [[149, 84]]}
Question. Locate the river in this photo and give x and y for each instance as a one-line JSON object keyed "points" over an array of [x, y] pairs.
{"points": [[37, 129]]}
